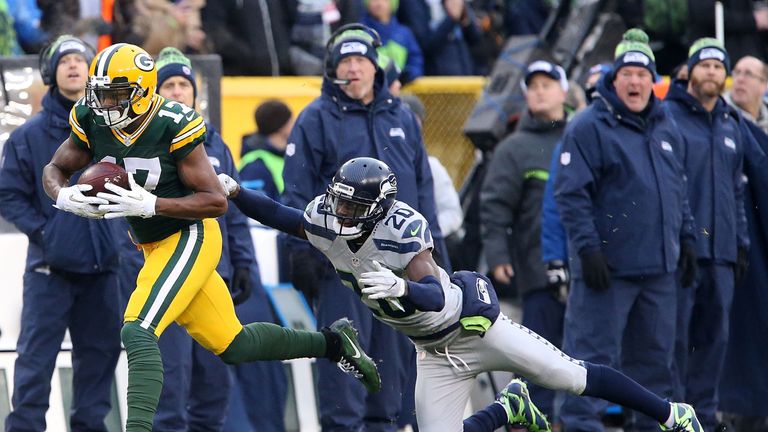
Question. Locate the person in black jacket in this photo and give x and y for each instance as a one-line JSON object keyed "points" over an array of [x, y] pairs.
{"points": [[69, 280], [511, 202], [745, 26], [251, 36]]}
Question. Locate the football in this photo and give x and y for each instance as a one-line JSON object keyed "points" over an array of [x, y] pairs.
{"points": [[97, 175]]}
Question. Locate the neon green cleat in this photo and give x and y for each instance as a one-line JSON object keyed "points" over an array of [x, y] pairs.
{"points": [[520, 409], [685, 419], [354, 360]]}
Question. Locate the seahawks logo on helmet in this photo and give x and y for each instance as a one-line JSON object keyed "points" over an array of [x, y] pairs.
{"points": [[360, 195]]}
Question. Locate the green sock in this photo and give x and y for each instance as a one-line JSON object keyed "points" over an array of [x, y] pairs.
{"points": [[145, 376], [266, 341]]}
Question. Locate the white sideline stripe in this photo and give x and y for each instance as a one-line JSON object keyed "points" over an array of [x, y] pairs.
{"points": [[177, 269]]}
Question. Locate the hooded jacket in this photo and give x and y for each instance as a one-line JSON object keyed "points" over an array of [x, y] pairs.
{"points": [[621, 187], [714, 165]]}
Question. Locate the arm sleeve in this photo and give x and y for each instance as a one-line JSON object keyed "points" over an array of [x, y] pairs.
{"points": [[499, 197], [426, 295], [241, 252], [554, 245], [756, 168], [17, 189], [576, 185], [688, 227], [271, 213], [740, 180]]}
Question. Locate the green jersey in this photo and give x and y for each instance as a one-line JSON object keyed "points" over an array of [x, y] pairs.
{"points": [[167, 134]]}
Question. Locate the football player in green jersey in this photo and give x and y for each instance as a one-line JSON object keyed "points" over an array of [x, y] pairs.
{"points": [[171, 206]]}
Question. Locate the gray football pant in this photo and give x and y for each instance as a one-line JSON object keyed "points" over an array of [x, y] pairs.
{"points": [[446, 374]]}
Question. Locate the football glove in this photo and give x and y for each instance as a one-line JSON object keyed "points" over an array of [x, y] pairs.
{"points": [[229, 184], [137, 201], [595, 270], [382, 283], [71, 199]]}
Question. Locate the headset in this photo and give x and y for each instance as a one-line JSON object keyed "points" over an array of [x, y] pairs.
{"points": [[47, 53], [330, 71]]}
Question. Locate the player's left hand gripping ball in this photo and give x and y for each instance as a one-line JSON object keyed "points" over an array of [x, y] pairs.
{"points": [[136, 202], [382, 283]]}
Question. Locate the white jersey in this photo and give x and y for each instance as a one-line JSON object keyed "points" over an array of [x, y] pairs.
{"points": [[395, 240]]}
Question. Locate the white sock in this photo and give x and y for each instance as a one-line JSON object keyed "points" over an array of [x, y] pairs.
{"points": [[671, 420]]}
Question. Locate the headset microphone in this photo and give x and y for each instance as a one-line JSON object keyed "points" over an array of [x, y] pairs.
{"points": [[339, 81]]}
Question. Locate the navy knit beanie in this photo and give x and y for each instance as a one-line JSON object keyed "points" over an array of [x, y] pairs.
{"points": [[171, 62]]}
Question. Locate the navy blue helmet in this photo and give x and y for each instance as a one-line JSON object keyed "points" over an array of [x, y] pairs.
{"points": [[360, 194]]}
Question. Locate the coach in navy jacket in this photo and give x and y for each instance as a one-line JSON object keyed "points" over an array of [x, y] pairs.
{"points": [[621, 192], [331, 130], [70, 280], [714, 160]]}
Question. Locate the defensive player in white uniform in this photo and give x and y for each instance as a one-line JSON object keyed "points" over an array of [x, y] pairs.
{"points": [[381, 248]]}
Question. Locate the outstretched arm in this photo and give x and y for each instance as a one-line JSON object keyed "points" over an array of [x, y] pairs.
{"points": [[264, 209]]}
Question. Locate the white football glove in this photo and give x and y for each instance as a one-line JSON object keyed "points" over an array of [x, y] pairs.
{"points": [[228, 183], [382, 283], [122, 202], [71, 199]]}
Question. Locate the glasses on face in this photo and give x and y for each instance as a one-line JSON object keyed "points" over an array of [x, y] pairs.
{"points": [[747, 74]]}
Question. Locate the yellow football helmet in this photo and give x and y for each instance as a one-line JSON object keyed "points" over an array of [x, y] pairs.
{"points": [[121, 84]]}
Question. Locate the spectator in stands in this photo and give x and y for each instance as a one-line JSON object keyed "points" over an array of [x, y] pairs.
{"points": [[444, 30], [263, 152], [743, 395], [313, 24], [26, 22], [392, 74], [155, 24], [398, 42], [680, 72], [9, 44], [745, 26], [747, 94], [595, 73], [510, 207], [251, 36], [69, 280], [622, 196], [333, 129], [714, 167], [524, 17]]}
